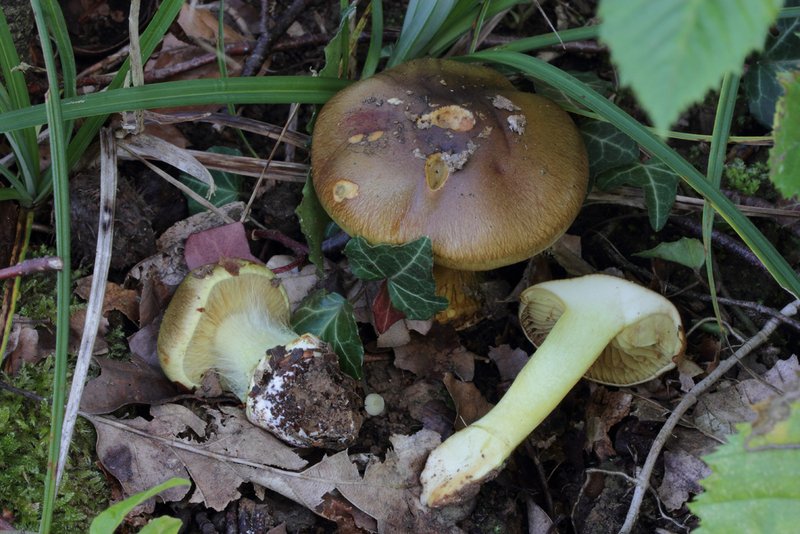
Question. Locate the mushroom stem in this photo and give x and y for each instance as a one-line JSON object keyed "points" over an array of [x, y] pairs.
{"points": [[462, 290], [590, 313], [241, 342]]}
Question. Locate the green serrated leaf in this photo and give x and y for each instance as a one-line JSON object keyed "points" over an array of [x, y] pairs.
{"points": [[659, 183], [672, 53], [753, 486], [781, 54], [228, 185], [112, 517], [607, 146], [162, 525], [329, 316], [784, 158], [686, 251], [408, 270], [313, 221]]}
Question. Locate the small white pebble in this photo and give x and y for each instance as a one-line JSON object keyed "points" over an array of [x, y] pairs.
{"points": [[374, 404]]}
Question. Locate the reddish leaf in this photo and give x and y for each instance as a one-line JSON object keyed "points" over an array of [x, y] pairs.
{"points": [[385, 315], [208, 246]]}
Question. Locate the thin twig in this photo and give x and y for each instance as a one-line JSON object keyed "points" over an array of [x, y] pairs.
{"points": [[33, 265], [643, 479]]}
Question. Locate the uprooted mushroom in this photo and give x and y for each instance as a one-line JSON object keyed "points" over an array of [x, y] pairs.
{"points": [[455, 152], [232, 318], [597, 326]]}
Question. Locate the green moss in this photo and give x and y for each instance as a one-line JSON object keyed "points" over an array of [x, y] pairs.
{"points": [[24, 428], [744, 178]]}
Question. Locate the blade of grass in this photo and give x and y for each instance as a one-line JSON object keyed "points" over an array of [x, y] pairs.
{"points": [[60, 35], [375, 40], [459, 22], [18, 186], [160, 23], [14, 95], [264, 90], [776, 264], [58, 157], [476, 31], [422, 22], [548, 39], [716, 161]]}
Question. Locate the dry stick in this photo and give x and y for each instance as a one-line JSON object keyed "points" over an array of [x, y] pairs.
{"points": [[33, 265], [643, 480]]}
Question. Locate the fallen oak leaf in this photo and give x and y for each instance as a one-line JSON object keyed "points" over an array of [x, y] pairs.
{"points": [[123, 383], [142, 453], [389, 491]]}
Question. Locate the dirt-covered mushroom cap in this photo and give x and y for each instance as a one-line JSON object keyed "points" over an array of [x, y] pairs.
{"points": [[223, 316], [452, 151]]}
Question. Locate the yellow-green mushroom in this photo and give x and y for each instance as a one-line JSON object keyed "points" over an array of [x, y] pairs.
{"points": [[601, 327], [233, 318]]}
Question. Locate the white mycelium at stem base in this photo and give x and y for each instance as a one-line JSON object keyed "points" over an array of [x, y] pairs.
{"points": [[588, 314]]}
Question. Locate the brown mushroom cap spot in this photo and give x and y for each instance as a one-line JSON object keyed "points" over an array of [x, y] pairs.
{"points": [[512, 186]]}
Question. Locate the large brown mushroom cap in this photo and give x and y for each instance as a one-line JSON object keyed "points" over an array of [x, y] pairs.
{"points": [[451, 151]]}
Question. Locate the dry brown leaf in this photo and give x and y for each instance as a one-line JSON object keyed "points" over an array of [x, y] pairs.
{"points": [[203, 24], [123, 383], [389, 491], [23, 347], [117, 298], [606, 409], [435, 354], [718, 413], [470, 404], [509, 361], [142, 460], [682, 475]]}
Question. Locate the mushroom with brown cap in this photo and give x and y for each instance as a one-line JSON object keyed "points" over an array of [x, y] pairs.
{"points": [[451, 151], [233, 318], [597, 326]]}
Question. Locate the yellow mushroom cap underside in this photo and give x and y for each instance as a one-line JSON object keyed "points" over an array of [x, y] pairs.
{"points": [[206, 297], [451, 151]]}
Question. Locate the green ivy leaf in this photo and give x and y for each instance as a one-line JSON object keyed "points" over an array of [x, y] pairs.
{"points": [[329, 316], [110, 518], [408, 270], [686, 251], [313, 221], [753, 486], [659, 182], [781, 54], [228, 185], [784, 158], [672, 53], [607, 146]]}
